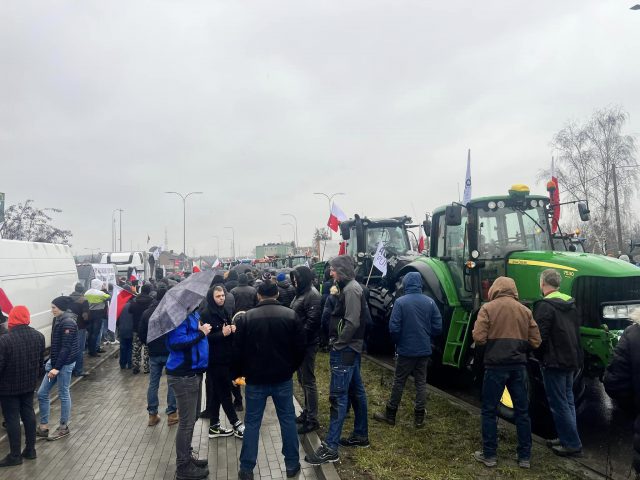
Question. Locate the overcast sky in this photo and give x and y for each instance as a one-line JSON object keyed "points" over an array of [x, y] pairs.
{"points": [[108, 104]]}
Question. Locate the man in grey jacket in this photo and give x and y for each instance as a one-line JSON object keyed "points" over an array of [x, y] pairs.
{"points": [[346, 335]]}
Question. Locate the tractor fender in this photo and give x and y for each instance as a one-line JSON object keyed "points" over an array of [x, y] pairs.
{"points": [[429, 277]]}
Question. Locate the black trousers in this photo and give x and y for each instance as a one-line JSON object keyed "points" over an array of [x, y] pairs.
{"points": [[14, 408], [219, 393], [93, 329]]}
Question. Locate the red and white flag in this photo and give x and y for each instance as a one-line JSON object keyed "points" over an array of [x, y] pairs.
{"points": [[337, 216], [554, 196], [119, 298], [196, 269], [216, 263], [5, 303]]}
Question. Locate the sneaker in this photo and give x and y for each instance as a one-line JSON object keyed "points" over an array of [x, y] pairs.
{"points": [[59, 433], [243, 475], [562, 451], [238, 429], [322, 455], [294, 472], [353, 441], [42, 432], [302, 418], [191, 472], [308, 427], [115, 342], [524, 463], [29, 454], [554, 442], [11, 461], [216, 431], [488, 462]]}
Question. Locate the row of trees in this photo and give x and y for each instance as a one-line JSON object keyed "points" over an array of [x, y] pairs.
{"points": [[589, 154], [27, 222]]}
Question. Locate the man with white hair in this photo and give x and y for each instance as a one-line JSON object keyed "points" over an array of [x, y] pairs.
{"points": [[561, 355]]}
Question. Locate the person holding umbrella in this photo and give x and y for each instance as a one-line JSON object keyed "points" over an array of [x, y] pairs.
{"points": [[177, 316]]}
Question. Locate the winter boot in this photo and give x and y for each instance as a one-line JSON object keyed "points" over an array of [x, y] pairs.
{"points": [[418, 421], [389, 416]]}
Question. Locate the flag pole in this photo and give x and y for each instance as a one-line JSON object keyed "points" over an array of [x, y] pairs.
{"points": [[370, 272]]}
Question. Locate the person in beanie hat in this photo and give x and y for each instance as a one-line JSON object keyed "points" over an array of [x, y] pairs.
{"points": [[286, 292], [268, 348], [21, 360], [80, 307], [64, 350]]}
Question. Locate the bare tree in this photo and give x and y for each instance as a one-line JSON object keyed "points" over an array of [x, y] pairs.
{"points": [[26, 222], [587, 154]]}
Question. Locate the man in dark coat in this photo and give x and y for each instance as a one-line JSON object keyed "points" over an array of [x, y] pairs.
{"points": [[21, 361], [232, 280], [246, 297], [140, 352], [561, 354], [286, 292], [268, 348], [80, 307], [622, 379], [415, 320], [306, 304]]}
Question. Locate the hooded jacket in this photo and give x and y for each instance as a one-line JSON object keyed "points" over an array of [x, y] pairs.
{"points": [[415, 319], [559, 324], [97, 298], [188, 348], [286, 292], [505, 326], [80, 307], [306, 303], [220, 347], [64, 340], [348, 318], [232, 280]]}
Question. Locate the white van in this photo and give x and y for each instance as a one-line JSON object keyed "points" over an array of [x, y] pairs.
{"points": [[125, 261], [33, 274]]}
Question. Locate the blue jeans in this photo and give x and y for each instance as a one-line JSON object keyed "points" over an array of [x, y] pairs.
{"points": [[558, 383], [126, 347], [515, 378], [256, 400], [346, 386], [63, 379], [156, 364], [82, 340]]}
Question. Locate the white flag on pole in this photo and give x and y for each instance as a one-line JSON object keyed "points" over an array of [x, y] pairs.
{"points": [[113, 308], [467, 181], [379, 259]]}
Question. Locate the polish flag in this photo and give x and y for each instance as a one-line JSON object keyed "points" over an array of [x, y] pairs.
{"points": [[343, 248], [196, 269], [119, 298], [337, 216], [554, 196], [216, 263], [5, 303]]}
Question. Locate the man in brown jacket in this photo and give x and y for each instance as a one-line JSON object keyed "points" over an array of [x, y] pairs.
{"points": [[508, 332]]}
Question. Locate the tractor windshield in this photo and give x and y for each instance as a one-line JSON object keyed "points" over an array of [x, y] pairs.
{"points": [[505, 229], [394, 239]]}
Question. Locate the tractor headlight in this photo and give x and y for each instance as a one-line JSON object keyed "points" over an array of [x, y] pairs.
{"points": [[619, 311]]}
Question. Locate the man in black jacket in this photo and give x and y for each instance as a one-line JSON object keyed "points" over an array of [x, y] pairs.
{"points": [[561, 352], [80, 307], [158, 355], [268, 347], [21, 360], [246, 297], [140, 351], [306, 304], [622, 379]]}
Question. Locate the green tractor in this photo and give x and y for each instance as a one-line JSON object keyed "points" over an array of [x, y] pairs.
{"points": [[510, 235]]}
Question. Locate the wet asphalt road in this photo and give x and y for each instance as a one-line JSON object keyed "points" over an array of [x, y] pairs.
{"points": [[606, 431]]}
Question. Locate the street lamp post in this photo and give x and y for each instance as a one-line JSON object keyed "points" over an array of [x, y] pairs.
{"points": [[297, 244], [233, 235], [293, 229], [184, 218], [329, 198], [113, 229]]}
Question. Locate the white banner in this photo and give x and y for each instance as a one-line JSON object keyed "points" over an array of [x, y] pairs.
{"points": [[105, 272], [379, 259]]}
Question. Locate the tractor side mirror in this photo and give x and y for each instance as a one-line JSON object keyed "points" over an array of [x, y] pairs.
{"points": [[453, 215], [583, 210], [345, 231], [426, 226]]}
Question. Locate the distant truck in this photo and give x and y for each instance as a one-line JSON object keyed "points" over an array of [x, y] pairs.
{"points": [[33, 274], [125, 262]]}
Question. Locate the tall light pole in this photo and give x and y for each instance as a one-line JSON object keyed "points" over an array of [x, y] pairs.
{"points": [[233, 234], [296, 230], [293, 228], [329, 198], [113, 229], [184, 218], [218, 242]]}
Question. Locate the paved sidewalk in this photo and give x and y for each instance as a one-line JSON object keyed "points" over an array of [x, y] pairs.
{"points": [[110, 439]]}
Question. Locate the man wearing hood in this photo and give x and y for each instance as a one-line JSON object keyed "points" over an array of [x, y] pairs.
{"points": [[232, 280], [561, 353], [246, 297], [97, 299], [80, 307], [415, 320], [508, 332], [307, 305], [346, 335]]}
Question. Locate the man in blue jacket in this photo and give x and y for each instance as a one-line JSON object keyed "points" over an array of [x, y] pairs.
{"points": [[188, 359], [415, 319]]}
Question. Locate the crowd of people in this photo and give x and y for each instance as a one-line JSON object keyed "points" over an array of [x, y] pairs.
{"points": [[259, 329]]}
